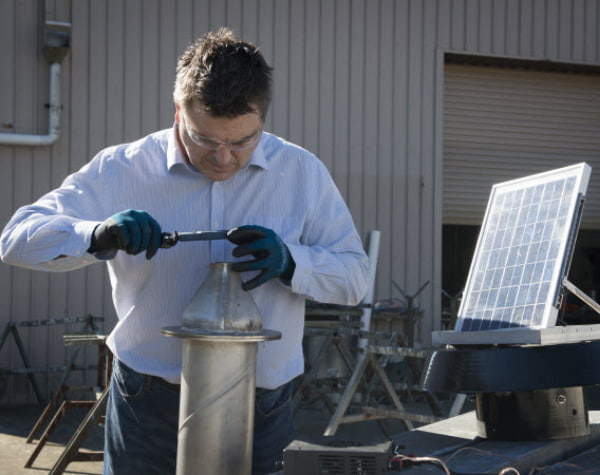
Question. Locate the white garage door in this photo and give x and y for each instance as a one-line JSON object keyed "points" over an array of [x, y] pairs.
{"points": [[502, 123]]}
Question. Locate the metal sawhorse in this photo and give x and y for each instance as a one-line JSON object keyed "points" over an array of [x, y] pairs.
{"points": [[370, 358], [96, 407], [12, 328]]}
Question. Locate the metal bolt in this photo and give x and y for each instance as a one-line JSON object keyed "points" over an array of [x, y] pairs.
{"points": [[561, 399]]}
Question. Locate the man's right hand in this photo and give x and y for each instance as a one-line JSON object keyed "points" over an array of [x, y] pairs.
{"points": [[131, 230]]}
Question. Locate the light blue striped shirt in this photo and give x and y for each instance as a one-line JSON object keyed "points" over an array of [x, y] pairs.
{"points": [[283, 187]]}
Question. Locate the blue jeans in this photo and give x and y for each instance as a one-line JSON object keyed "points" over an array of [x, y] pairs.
{"points": [[140, 434]]}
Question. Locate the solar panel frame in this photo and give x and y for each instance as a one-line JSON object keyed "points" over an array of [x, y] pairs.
{"points": [[523, 251]]}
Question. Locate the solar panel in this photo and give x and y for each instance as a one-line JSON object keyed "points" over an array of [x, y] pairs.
{"points": [[523, 251]]}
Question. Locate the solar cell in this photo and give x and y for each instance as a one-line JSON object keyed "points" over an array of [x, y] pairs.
{"points": [[523, 251]]}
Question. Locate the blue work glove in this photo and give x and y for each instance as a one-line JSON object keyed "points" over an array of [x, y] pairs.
{"points": [[271, 255], [131, 231]]}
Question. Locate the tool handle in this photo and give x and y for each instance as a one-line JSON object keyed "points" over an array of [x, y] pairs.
{"points": [[168, 240]]}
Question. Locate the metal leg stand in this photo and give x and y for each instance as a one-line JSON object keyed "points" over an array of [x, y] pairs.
{"points": [[334, 340], [53, 423], [71, 452], [102, 380], [458, 404], [336, 420], [370, 357], [338, 417], [12, 328], [58, 396]]}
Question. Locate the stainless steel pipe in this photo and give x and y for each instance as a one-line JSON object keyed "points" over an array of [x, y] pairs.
{"points": [[221, 329]]}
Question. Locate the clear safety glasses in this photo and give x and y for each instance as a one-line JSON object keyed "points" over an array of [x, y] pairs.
{"points": [[212, 144]]}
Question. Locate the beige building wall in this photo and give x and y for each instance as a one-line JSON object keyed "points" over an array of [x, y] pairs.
{"points": [[359, 82]]}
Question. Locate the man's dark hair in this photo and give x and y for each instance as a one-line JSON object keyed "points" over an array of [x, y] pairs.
{"points": [[226, 76]]}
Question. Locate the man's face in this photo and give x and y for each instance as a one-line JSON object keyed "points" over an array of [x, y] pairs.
{"points": [[218, 147]]}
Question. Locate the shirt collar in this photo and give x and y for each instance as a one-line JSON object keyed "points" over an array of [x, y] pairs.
{"points": [[176, 158], [258, 156]]}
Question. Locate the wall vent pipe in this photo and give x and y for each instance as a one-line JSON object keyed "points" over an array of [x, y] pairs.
{"points": [[57, 37]]}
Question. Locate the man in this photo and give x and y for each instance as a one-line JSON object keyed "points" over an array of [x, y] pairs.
{"points": [[215, 169]]}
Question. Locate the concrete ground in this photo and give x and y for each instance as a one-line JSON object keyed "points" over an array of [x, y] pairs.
{"points": [[17, 421], [15, 424], [311, 420]]}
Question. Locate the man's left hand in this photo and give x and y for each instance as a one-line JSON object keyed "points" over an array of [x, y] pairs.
{"points": [[271, 256]]}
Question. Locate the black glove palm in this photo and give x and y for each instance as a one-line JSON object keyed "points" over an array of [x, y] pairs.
{"points": [[271, 255], [130, 230]]}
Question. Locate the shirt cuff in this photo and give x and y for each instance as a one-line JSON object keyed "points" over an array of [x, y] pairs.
{"points": [[81, 239], [302, 273]]}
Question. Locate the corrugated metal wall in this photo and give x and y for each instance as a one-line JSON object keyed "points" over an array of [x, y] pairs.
{"points": [[358, 82]]}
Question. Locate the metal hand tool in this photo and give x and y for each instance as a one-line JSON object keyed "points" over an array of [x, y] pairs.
{"points": [[168, 240]]}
